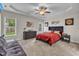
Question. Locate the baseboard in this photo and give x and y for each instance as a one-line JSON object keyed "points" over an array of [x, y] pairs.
{"points": [[74, 41]]}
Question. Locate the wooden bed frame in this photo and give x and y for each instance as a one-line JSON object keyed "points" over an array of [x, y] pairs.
{"points": [[56, 28]]}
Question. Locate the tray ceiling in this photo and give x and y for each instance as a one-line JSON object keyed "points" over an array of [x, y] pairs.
{"points": [[55, 8]]}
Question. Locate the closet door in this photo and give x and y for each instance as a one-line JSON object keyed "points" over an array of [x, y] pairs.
{"points": [[40, 27]]}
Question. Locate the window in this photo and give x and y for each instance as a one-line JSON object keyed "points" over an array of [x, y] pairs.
{"points": [[0, 24], [10, 27]]}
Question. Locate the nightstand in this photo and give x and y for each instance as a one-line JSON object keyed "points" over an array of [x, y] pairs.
{"points": [[65, 37]]}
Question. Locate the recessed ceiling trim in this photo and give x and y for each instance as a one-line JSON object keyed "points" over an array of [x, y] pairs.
{"points": [[17, 9]]}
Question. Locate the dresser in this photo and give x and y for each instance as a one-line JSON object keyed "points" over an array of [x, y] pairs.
{"points": [[29, 34]]}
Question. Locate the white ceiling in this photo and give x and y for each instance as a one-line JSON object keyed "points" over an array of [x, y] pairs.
{"points": [[55, 8]]}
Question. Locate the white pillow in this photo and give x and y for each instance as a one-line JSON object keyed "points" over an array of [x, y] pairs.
{"points": [[58, 32]]}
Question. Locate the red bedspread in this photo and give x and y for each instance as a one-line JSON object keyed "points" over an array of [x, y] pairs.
{"points": [[50, 37]]}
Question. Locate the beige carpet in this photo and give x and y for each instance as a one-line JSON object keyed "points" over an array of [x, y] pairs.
{"points": [[34, 47]]}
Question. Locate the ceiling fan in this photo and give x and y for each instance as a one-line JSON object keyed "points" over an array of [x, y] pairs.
{"points": [[42, 10]]}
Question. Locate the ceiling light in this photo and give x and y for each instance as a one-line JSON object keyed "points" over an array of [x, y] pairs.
{"points": [[42, 10]]}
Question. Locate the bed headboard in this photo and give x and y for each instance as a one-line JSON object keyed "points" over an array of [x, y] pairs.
{"points": [[56, 28]]}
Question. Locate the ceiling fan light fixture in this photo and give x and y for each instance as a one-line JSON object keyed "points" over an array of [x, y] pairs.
{"points": [[42, 10]]}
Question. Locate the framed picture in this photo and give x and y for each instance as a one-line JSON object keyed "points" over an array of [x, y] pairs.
{"points": [[69, 21], [54, 22], [28, 24], [46, 24]]}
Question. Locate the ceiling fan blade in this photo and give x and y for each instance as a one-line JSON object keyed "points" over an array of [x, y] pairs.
{"points": [[36, 9], [47, 12]]}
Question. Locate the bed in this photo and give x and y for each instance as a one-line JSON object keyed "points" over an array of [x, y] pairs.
{"points": [[51, 37]]}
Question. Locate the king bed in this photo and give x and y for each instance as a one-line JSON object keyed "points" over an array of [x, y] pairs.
{"points": [[54, 34]]}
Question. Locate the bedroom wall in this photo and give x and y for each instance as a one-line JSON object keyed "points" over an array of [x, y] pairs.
{"points": [[72, 30], [21, 23]]}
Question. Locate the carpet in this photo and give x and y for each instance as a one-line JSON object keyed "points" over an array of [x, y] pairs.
{"points": [[35, 47]]}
